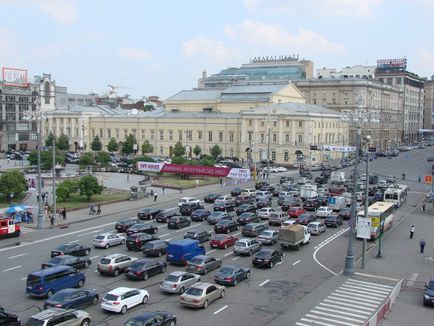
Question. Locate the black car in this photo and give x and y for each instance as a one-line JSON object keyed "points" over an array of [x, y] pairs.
{"points": [[231, 275], [72, 299], [305, 174], [76, 262], [7, 319], [200, 215], [156, 318], [210, 198], [245, 208], [164, 216], [188, 208], [136, 241], [321, 180], [311, 204], [178, 222], [345, 213], [73, 249], [155, 248], [143, 268], [267, 258], [224, 207], [225, 226], [124, 224], [148, 227], [148, 213], [200, 235], [428, 296], [269, 188], [236, 191], [217, 216], [305, 219], [261, 203], [333, 220], [247, 217]]}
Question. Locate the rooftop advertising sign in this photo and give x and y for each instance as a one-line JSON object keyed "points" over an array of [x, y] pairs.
{"points": [[392, 63], [14, 76]]}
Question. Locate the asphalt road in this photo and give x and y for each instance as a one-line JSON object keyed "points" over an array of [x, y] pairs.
{"points": [[258, 301]]}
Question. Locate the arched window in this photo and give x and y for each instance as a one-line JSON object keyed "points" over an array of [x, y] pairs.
{"points": [[286, 156], [47, 92]]}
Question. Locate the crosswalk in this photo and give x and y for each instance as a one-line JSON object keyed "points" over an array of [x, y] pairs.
{"points": [[26, 230], [351, 304]]}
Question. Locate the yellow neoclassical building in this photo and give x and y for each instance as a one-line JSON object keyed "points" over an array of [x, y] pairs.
{"points": [[240, 117]]}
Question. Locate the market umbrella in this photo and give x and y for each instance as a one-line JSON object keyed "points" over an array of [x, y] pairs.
{"points": [[15, 209]]}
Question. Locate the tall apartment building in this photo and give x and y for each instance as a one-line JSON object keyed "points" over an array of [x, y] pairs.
{"points": [[429, 105]]}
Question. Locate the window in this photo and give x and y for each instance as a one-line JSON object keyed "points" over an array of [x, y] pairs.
{"points": [[209, 135], [200, 135], [250, 123], [143, 134], [300, 139], [286, 156], [300, 123], [161, 134], [170, 134], [287, 138], [152, 134], [117, 133], [125, 133], [190, 135], [314, 101], [262, 123], [274, 138], [220, 136], [273, 156], [180, 135], [93, 133], [287, 123], [274, 123], [76, 132], [231, 136], [109, 133], [262, 138], [101, 133]]}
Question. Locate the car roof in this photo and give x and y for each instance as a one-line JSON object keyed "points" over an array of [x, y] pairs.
{"points": [[121, 290], [203, 285], [178, 273], [49, 270], [144, 316], [112, 256], [106, 234], [48, 313]]}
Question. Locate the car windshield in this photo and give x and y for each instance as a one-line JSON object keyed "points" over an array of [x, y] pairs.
{"points": [[266, 234], [219, 237], [240, 244], [263, 254], [139, 264], [197, 260], [223, 222], [110, 297], [226, 270], [35, 322], [59, 296], [62, 247], [172, 278], [33, 280], [56, 260], [194, 291], [430, 285], [105, 261], [136, 322], [100, 237]]}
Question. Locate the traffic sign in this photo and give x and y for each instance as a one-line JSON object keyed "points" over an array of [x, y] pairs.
{"points": [[332, 200], [364, 228], [428, 179]]}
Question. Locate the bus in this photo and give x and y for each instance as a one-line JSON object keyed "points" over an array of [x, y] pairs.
{"points": [[381, 215], [396, 194]]}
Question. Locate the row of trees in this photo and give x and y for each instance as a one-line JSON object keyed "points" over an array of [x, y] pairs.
{"points": [[87, 186]]}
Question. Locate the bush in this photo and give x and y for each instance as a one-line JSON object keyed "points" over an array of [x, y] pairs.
{"points": [[89, 186]]}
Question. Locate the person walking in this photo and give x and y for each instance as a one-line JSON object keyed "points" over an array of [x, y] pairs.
{"points": [[411, 232], [98, 211], [162, 189], [419, 178], [52, 220], [63, 214], [423, 207], [422, 244], [91, 209], [155, 196]]}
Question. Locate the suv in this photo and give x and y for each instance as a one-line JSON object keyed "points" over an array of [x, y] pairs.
{"points": [[114, 264], [188, 200], [247, 246], [200, 235], [155, 248], [148, 213], [148, 227], [253, 229], [123, 225], [188, 208], [217, 216], [224, 206], [59, 316], [137, 240], [178, 222]]}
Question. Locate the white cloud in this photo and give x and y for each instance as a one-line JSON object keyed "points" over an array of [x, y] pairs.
{"points": [[63, 11], [350, 8], [208, 49], [274, 38], [135, 54]]}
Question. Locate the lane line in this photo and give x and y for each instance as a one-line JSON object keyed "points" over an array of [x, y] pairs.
{"points": [[235, 258], [188, 227], [73, 241], [93, 257], [295, 263], [24, 278], [220, 310], [210, 251], [412, 278], [164, 235], [87, 233], [265, 282], [376, 276], [11, 269], [228, 254], [16, 256]]}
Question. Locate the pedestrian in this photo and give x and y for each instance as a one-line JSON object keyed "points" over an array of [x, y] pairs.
{"points": [[411, 232], [52, 220], [98, 211], [419, 178], [162, 189], [155, 196], [423, 207], [403, 176], [37, 197], [91, 209], [221, 182], [422, 244], [64, 213]]}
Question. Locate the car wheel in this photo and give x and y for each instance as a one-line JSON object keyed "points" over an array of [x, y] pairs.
{"points": [[123, 242], [172, 323], [222, 295], [227, 232], [85, 322], [219, 264], [50, 293], [107, 246], [235, 282], [145, 299], [87, 252], [163, 269], [80, 283], [116, 272], [205, 271], [95, 300], [124, 310], [250, 252], [205, 304], [209, 237], [145, 276], [181, 290], [281, 259]]}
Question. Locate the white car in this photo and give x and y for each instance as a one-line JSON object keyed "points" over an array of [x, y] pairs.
{"points": [[121, 299], [287, 223], [281, 169], [250, 192], [315, 167], [323, 211], [264, 213], [225, 199], [302, 180], [188, 200]]}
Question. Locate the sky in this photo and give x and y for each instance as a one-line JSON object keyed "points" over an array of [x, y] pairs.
{"points": [[161, 47]]}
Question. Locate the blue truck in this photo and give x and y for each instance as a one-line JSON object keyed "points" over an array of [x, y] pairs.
{"points": [[181, 251]]}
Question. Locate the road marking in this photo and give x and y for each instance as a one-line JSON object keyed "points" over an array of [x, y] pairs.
{"points": [[220, 310], [168, 239], [16, 256], [210, 251], [188, 227], [229, 253], [338, 311], [235, 258], [73, 241], [93, 257], [265, 282], [295, 263], [83, 234], [333, 315], [412, 278], [24, 278], [11, 269], [280, 262], [238, 233], [164, 235], [345, 308]]}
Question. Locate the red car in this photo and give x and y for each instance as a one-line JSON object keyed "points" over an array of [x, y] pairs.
{"points": [[295, 211], [223, 241]]}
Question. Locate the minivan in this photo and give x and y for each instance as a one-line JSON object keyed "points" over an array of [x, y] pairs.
{"points": [[180, 251], [46, 282], [155, 248]]}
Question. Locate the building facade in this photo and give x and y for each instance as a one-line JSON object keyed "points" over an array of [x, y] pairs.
{"points": [[358, 71], [429, 104]]}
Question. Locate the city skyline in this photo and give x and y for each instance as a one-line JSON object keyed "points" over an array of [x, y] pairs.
{"points": [[162, 48]]}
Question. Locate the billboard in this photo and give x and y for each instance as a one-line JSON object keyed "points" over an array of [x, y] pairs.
{"points": [[14, 76], [399, 64]]}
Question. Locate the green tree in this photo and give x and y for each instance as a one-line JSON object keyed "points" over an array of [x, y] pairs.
{"points": [[147, 147], [62, 142], [96, 144], [142, 159], [103, 157], [216, 151], [46, 158], [12, 182], [86, 159], [49, 140], [197, 150], [179, 149], [208, 160], [148, 107], [66, 188], [112, 146], [62, 192], [128, 145], [178, 160], [89, 186]]}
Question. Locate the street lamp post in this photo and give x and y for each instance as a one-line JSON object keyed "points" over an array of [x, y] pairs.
{"points": [[367, 139], [268, 120], [36, 115]]}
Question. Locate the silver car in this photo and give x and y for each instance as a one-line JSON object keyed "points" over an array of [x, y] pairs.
{"points": [[247, 246], [265, 212], [107, 240], [202, 264], [178, 282], [52, 316], [268, 237]]}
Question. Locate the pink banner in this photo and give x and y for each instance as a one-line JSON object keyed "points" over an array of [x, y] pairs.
{"points": [[210, 171], [149, 166]]}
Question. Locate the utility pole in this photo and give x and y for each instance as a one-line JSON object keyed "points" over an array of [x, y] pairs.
{"points": [[269, 119], [367, 139], [54, 179]]}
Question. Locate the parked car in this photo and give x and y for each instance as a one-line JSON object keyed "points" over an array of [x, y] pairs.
{"points": [[146, 227], [178, 222], [217, 216], [73, 249], [224, 207], [247, 246], [295, 211], [267, 258], [323, 211], [316, 228], [123, 224], [225, 226], [231, 275], [305, 219], [210, 198], [141, 269], [114, 264], [202, 264], [148, 213], [136, 241], [51, 316], [333, 220], [200, 215], [72, 299], [268, 237], [107, 240], [222, 241], [122, 298], [67, 260], [200, 295], [246, 218], [188, 208], [245, 208], [155, 248], [200, 235], [253, 229], [152, 318], [178, 282]]}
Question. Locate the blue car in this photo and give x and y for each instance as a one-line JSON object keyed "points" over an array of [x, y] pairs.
{"points": [[72, 299], [231, 275]]}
